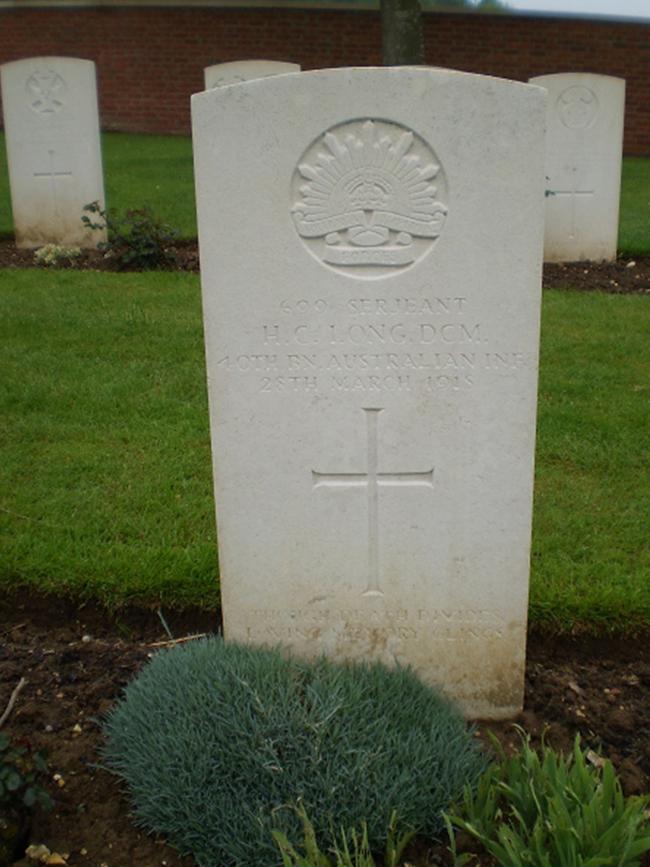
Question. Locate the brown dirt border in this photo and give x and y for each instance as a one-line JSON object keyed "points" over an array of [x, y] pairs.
{"points": [[78, 656], [625, 276]]}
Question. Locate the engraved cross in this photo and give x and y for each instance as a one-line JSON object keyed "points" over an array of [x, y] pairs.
{"points": [[53, 177], [372, 481], [574, 192]]}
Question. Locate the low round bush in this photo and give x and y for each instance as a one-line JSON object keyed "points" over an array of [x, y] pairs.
{"points": [[217, 742]]}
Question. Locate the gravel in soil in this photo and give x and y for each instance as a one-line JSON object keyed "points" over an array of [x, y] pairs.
{"points": [[77, 660], [624, 276]]}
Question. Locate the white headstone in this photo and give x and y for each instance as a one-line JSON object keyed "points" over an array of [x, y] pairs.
{"points": [[245, 70], [584, 144], [53, 148], [371, 247]]}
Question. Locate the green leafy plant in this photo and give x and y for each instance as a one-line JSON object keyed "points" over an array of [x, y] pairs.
{"points": [[216, 742], [21, 772], [352, 849], [137, 240], [547, 810], [56, 254]]}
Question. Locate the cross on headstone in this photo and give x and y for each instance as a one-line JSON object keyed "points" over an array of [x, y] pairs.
{"points": [[53, 177], [372, 480], [574, 192]]}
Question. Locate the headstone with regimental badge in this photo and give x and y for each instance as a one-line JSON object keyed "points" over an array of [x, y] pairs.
{"points": [[53, 149], [584, 142], [245, 70], [371, 263]]}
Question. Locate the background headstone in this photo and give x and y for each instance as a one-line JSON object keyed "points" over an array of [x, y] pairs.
{"points": [[584, 142], [245, 70], [53, 148], [371, 247]]}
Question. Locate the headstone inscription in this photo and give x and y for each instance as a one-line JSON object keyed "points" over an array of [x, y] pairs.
{"points": [[245, 70], [371, 247], [584, 143], [53, 148]]}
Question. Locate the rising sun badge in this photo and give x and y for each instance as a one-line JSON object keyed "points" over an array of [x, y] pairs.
{"points": [[369, 198]]}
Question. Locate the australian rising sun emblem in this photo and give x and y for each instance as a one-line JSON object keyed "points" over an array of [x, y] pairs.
{"points": [[366, 197]]}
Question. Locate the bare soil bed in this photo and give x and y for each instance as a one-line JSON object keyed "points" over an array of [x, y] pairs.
{"points": [[77, 660], [624, 276]]}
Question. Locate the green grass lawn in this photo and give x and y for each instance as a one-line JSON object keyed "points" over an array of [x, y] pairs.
{"points": [[157, 170], [105, 482], [154, 170], [634, 226], [591, 550]]}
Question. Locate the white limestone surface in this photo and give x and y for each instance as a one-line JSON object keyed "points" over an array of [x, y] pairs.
{"points": [[245, 70], [53, 148], [371, 248], [585, 114]]}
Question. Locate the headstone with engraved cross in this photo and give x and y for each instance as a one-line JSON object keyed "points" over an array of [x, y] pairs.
{"points": [[53, 148], [583, 165], [371, 253], [237, 71]]}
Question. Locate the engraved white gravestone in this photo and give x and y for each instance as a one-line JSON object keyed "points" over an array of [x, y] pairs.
{"points": [[584, 143], [53, 148], [371, 247], [245, 70]]}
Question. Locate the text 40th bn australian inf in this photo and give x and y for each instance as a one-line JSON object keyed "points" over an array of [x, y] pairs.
{"points": [[421, 344]]}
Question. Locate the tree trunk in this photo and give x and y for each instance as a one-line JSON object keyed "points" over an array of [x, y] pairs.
{"points": [[401, 32]]}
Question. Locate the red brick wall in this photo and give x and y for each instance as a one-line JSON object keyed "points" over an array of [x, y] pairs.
{"points": [[151, 59]]}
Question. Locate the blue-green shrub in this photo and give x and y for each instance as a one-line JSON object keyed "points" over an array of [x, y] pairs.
{"points": [[217, 742]]}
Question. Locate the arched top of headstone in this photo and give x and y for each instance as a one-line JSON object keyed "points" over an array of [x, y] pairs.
{"points": [[578, 76], [237, 71], [411, 191], [581, 101], [50, 88], [339, 73], [45, 59]]}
